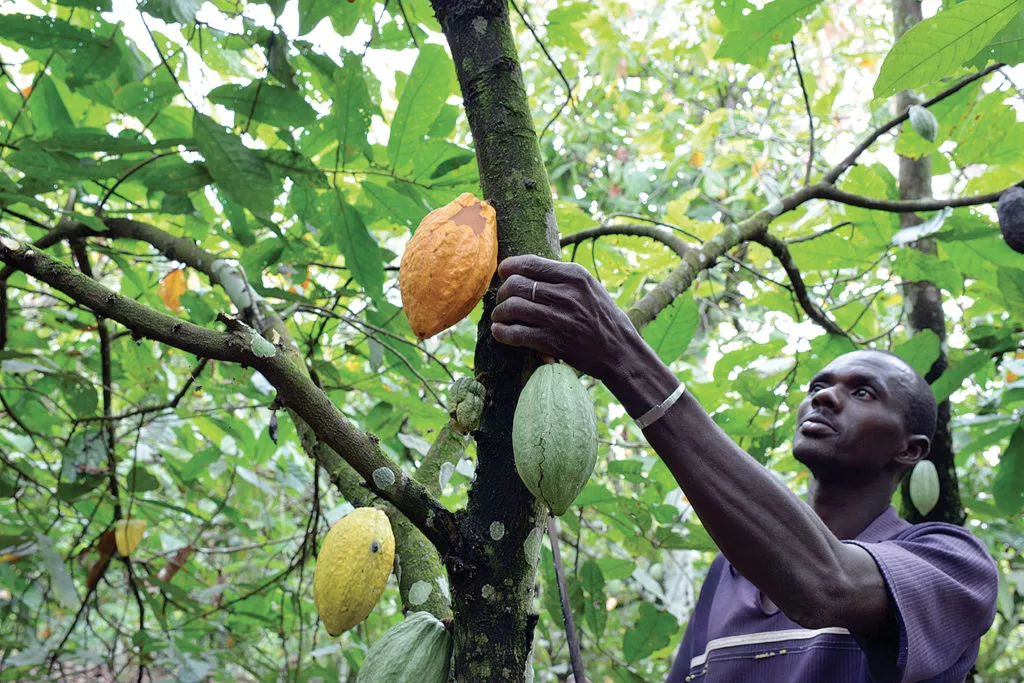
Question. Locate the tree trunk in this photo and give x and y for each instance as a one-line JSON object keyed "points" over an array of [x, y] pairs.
{"points": [[493, 569], [923, 303]]}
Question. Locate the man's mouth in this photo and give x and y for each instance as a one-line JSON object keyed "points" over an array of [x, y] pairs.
{"points": [[815, 425]]}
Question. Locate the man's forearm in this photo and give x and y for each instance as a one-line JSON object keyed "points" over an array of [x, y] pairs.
{"points": [[771, 536]]}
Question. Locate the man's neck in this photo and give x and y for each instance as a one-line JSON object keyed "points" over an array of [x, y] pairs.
{"points": [[847, 511]]}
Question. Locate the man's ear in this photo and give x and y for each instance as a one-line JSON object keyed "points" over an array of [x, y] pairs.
{"points": [[918, 446]]}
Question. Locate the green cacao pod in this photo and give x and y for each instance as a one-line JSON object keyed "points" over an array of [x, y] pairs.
{"points": [[417, 649], [1011, 217], [924, 486], [554, 436], [466, 403], [923, 122]]}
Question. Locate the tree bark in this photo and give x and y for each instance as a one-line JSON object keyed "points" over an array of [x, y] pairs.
{"points": [[923, 304], [493, 570]]}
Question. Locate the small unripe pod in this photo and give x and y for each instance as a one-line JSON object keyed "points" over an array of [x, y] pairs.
{"points": [[924, 486], [923, 122]]}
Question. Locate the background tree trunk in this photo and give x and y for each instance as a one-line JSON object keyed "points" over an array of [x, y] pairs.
{"points": [[923, 304]]}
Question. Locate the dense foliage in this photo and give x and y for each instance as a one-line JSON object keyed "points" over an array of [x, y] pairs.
{"points": [[306, 140]]}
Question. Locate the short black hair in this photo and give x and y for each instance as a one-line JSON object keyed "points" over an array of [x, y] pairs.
{"points": [[921, 413]]}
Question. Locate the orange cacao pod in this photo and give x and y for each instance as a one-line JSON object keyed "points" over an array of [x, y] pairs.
{"points": [[448, 264]]}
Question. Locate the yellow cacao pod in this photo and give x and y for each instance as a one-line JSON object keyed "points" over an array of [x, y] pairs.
{"points": [[448, 264], [352, 568]]}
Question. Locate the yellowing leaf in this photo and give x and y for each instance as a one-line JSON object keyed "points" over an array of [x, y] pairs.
{"points": [[171, 288], [127, 534], [696, 159]]}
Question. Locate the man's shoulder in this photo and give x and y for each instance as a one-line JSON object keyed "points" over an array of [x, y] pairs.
{"points": [[942, 534]]}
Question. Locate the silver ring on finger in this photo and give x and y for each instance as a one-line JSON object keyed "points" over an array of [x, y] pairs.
{"points": [[533, 292]]}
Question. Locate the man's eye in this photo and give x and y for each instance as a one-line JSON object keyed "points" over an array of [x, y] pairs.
{"points": [[863, 392], [815, 386]]}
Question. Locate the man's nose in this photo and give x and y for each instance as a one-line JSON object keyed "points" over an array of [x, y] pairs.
{"points": [[826, 397]]}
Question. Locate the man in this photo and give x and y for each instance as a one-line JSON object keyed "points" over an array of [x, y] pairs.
{"points": [[838, 589]]}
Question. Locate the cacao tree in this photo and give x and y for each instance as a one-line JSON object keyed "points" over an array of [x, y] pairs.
{"points": [[205, 361]]}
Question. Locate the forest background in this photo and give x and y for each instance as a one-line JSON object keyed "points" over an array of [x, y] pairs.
{"points": [[219, 194]]}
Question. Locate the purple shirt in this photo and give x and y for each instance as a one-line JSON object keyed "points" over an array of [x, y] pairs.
{"points": [[942, 583]]}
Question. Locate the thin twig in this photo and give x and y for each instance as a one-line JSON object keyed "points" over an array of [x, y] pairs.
{"points": [[816, 235], [851, 159], [810, 116], [569, 100], [408, 24], [563, 594]]}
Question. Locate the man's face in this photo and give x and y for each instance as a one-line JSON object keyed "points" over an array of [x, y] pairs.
{"points": [[850, 424]]}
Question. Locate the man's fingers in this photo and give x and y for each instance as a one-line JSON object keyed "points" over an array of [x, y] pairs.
{"points": [[522, 335], [523, 287], [522, 311], [538, 268]]}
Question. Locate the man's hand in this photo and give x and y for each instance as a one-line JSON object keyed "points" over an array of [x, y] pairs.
{"points": [[560, 310]]}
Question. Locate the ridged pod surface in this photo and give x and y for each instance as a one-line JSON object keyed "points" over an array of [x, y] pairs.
{"points": [[554, 436], [448, 264], [417, 649], [352, 568]]}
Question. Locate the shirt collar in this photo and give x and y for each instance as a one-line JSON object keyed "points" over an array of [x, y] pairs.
{"points": [[885, 526]]}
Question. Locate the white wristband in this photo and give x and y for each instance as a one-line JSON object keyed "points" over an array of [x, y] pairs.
{"points": [[658, 411]]}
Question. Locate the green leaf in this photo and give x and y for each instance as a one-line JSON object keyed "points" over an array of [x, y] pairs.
{"points": [[141, 480], [175, 175], [48, 111], [271, 104], [955, 374], [362, 253], [278, 64], [920, 351], [1007, 46], [294, 165], [172, 11], [199, 463], [422, 99], [934, 48], [751, 37], [352, 108], [98, 5], [1011, 284], [1008, 484], [97, 140], [238, 170], [266, 251], [62, 583], [44, 32], [80, 395], [312, 12], [670, 333], [54, 166], [652, 632]]}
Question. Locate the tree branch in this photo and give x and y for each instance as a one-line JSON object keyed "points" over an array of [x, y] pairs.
{"points": [[901, 206], [655, 232], [696, 260], [781, 252], [244, 346]]}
